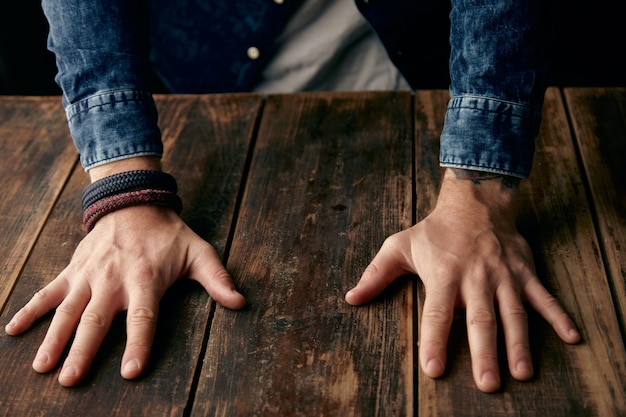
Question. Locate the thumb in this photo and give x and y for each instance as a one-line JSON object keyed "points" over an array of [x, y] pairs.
{"points": [[207, 269], [388, 264]]}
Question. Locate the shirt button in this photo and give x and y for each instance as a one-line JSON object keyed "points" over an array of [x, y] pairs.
{"points": [[253, 52]]}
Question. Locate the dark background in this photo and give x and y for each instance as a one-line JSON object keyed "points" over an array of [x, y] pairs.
{"points": [[590, 47]]}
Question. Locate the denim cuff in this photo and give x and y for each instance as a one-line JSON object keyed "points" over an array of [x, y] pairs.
{"points": [[487, 134], [113, 125]]}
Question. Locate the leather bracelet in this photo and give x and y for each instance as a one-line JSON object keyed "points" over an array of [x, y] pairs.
{"points": [[125, 182], [109, 204], [127, 189]]}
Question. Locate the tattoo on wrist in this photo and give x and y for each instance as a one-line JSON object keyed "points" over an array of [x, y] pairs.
{"points": [[479, 176]]}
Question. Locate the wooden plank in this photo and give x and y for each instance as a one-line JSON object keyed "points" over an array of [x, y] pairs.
{"points": [[580, 380], [330, 179], [599, 122], [207, 140], [36, 158]]}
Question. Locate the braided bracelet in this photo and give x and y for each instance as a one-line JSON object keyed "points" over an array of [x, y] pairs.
{"points": [[128, 181], [128, 189]]}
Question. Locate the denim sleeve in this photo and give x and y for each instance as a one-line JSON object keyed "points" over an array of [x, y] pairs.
{"points": [[499, 69], [101, 50]]}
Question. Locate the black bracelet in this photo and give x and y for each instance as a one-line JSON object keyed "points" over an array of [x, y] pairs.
{"points": [[128, 181]]}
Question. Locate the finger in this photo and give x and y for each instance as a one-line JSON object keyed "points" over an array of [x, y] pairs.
{"points": [[435, 325], [387, 265], [208, 270], [482, 337], [63, 324], [44, 301], [94, 324], [550, 309], [141, 322], [515, 326]]}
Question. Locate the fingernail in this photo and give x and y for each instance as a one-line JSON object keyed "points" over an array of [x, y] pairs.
{"points": [[11, 324], [524, 367], [42, 358], [489, 377], [131, 366], [69, 371], [434, 367]]}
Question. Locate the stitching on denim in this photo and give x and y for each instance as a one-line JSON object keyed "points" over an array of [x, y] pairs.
{"points": [[489, 98], [527, 113], [80, 107]]}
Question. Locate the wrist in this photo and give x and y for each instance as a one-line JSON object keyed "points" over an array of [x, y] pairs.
{"points": [[127, 189], [495, 194], [151, 163]]}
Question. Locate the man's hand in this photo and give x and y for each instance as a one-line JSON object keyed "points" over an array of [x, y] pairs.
{"points": [[126, 263], [468, 254]]}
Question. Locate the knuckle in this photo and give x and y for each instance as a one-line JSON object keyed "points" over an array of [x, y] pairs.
{"points": [[93, 319], [438, 315], [485, 356], [519, 348], [483, 318], [144, 272], [371, 269], [145, 277], [53, 342], [139, 345], [26, 312], [79, 354], [222, 275], [41, 294], [435, 346], [448, 270], [67, 309], [480, 277], [516, 312], [549, 302], [141, 315], [491, 244]]}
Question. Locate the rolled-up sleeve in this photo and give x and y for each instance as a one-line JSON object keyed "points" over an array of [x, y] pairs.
{"points": [[101, 50], [499, 69]]}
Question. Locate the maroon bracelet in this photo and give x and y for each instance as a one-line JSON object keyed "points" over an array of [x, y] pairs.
{"points": [[104, 206]]}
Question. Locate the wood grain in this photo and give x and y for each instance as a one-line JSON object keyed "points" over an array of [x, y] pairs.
{"points": [[297, 193], [598, 117], [330, 179], [36, 158], [581, 380], [207, 141]]}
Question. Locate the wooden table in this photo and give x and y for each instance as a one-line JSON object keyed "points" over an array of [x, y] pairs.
{"points": [[297, 193]]}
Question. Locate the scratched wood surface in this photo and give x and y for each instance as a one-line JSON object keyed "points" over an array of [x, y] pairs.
{"points": [[329, 180], [37, 158], [297, 192], [207, 139], [599, 123]]}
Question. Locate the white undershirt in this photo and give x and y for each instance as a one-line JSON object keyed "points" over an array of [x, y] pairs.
{"points": [[328, 45]]}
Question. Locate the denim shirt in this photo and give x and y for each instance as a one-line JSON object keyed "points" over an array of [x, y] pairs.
{"points": [[108, 51]]}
